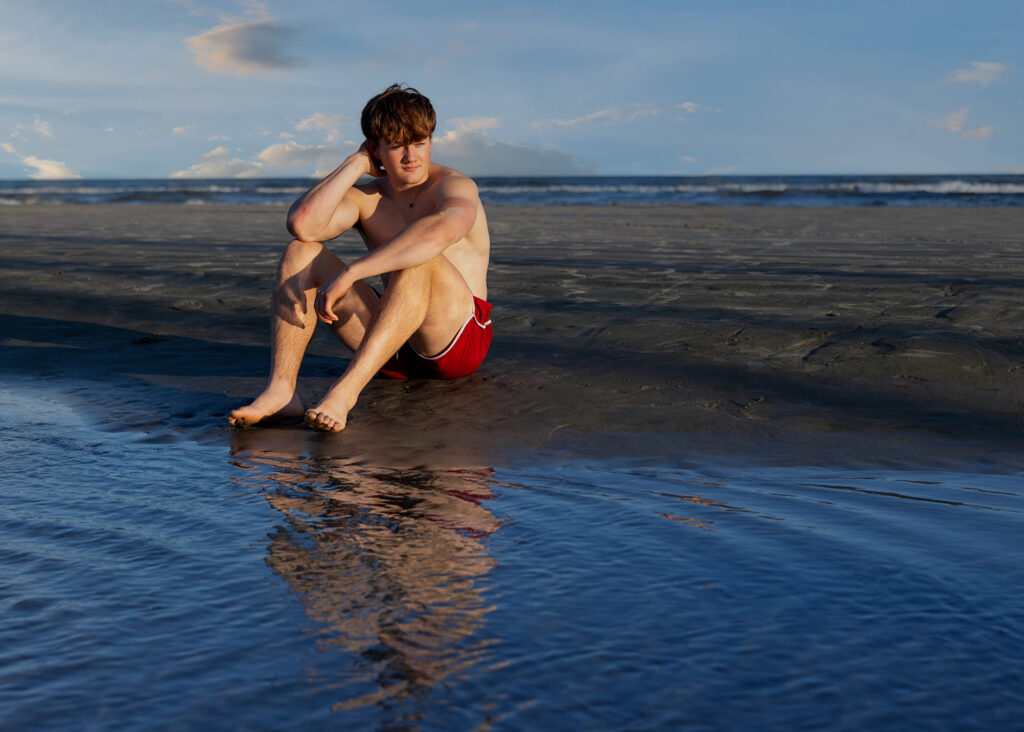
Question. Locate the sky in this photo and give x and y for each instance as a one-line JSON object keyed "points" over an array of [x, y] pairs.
{"points": [[239, 88]]}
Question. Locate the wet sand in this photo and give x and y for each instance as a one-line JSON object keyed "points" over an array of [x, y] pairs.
{"points": [[794, 335]]}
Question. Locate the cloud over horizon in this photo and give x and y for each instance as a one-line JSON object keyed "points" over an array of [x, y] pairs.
{"points": [[468, 149], [316, 160], [218, 163], [282, 158], [42, 169]]}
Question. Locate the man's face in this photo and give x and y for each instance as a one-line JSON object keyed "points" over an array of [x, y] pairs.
{"points": [[405, 164]]}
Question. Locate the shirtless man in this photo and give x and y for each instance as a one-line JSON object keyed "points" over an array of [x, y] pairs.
{"points": [[426, 235]]}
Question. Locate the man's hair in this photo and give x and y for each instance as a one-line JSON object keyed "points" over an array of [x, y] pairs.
{"points": [[399, 116]]}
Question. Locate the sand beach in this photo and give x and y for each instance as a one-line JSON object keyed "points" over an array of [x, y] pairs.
{"points": [[731, 467], [780, 334]]}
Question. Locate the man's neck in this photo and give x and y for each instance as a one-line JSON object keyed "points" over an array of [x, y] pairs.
{"points": [[408, 193]]}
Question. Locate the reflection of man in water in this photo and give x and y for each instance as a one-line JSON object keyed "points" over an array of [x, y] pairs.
{"points": [[389, 563], [426, 233]]}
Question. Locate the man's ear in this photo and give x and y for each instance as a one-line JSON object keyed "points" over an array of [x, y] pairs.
{"points": [[371, 147]]}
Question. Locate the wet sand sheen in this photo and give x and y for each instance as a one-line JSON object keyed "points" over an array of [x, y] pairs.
{"points": [[795, 334]]}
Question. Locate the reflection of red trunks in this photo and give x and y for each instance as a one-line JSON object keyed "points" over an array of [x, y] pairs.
{"points": [[462, 356]]}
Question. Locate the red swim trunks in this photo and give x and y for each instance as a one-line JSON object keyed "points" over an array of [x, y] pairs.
{"points": [[463, 355]]}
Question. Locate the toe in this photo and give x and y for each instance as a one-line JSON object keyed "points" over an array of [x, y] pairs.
{"points": [[315, 419]]}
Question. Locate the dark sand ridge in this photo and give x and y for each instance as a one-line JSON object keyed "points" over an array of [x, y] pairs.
{"points": [[768, 334]]}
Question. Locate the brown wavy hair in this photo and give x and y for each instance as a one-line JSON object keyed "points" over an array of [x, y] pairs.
{"points": [[399, 116]]}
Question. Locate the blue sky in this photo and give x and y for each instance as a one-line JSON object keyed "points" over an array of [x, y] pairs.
{"points": [[160, 88]]}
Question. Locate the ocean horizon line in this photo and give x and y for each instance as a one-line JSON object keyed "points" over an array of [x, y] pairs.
{"points": [[952, 189], [734, 174]]}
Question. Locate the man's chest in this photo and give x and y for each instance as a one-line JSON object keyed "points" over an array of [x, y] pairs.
{"points": [[386, 219]]}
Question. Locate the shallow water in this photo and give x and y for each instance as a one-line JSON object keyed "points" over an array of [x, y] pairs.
{"points": [[150, 582]]}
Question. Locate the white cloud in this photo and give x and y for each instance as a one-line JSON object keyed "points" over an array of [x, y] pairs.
{"points": [[181, 130], [42, 127], [954, 122], [467, 124], [48, 169], [693, 108], [243, 48], [320, 121], [982, 133], [983, 72], [218, 163], [281, 157], [957, 121], [611, 116], [638, 111], [291, 156], [688, 159], [42, 169], [472, 152]]}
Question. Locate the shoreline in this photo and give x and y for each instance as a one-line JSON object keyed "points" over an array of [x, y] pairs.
{"points": [[777, 333]]}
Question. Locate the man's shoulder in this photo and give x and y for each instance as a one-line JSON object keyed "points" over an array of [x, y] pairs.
{"points": [[369, 189], [446, 173], [452, 182]]}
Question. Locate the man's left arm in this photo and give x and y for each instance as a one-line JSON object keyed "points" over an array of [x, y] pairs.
{"points": [[417, 244]]}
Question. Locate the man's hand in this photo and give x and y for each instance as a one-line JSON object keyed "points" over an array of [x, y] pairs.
{"points": [[373, 166], [328, 294]]}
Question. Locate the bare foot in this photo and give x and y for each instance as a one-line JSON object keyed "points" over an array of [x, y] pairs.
{"points": [[267, 407], [330, 415]]}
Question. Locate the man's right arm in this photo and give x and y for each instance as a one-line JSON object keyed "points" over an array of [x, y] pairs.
{"points": [[326, 210]]}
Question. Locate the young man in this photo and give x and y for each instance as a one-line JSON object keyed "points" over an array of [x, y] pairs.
{"points": [[426, 235]]}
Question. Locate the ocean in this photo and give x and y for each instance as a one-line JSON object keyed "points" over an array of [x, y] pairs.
{"points": [[156, 579], [833, 190]]}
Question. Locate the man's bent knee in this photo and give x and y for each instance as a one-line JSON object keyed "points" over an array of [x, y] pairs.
{"points": [[298, 250], [310, 261]]}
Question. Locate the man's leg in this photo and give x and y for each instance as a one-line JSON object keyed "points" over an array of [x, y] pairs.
{"points": [[426, 305], [304, 267]]}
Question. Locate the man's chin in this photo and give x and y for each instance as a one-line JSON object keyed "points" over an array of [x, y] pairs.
{"points": [[408, 178]]}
